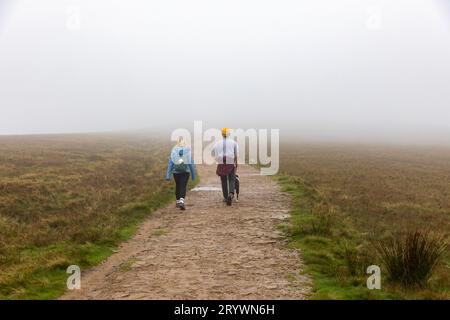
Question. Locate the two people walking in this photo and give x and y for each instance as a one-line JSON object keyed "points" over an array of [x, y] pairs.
{"points": [[181, 165]]}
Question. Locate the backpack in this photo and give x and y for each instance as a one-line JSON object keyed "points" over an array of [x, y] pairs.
{"points": [[179, 165]]}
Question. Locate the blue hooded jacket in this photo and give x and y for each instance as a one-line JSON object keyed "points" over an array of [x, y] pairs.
{"points": [[183, 153]]}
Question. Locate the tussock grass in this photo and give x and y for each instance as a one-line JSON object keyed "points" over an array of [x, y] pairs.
{"points": [[411, 259]]}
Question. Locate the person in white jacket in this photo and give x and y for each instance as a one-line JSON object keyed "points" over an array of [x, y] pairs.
{"points": [[226, 155]]}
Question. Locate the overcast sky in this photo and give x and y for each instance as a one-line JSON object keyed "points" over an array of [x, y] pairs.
{"points": [[315, 67]]}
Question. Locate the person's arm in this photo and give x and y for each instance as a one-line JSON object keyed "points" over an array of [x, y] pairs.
{"points": [[216, 152], [236, 150], [192, 167], [169, 169]]}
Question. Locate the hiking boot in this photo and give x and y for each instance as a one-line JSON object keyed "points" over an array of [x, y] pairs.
{"points": [[178, 204], [230, 199]]}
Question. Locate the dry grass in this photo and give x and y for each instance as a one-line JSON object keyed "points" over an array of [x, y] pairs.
{"points": [[66, 199], [372, 191]]}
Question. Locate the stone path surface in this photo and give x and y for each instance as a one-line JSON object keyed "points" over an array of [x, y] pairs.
{"points": [[209, 251]]}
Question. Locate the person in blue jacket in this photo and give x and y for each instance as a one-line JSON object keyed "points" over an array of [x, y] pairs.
{"points": [[181, 165]]}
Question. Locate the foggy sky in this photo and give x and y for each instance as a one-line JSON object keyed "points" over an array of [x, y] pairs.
{"points": [[321, 68]]}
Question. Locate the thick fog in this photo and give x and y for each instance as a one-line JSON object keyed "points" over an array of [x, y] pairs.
{"points": [[315, 68]]}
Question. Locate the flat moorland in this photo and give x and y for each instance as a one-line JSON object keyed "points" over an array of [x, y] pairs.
{"points": [[350, 198], [70, 199]]}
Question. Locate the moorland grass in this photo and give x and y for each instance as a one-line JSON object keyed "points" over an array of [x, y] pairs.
{"points": [[346, 196], [71, 199]]}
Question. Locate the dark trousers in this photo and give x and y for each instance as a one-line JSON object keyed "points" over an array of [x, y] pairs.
{"points": [[181, 180], [228, 183]]}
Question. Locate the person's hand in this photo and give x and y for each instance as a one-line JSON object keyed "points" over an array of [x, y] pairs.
{"points": [[168, 179]]}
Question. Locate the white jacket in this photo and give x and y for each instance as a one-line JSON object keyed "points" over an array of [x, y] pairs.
{"points": [[226, 147]]}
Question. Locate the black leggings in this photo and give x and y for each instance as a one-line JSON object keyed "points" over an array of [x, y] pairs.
{"points": [[181, 180]]}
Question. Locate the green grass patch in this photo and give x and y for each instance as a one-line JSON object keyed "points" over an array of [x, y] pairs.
{"points": [[39, 272], [126, 266], [324, 246], [159, 232]]}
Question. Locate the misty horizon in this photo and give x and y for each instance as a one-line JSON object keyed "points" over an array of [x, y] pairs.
{"points": [[353, 70]]}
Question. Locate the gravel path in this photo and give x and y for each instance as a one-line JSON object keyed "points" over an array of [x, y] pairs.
{"points": [[209, 251]]}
